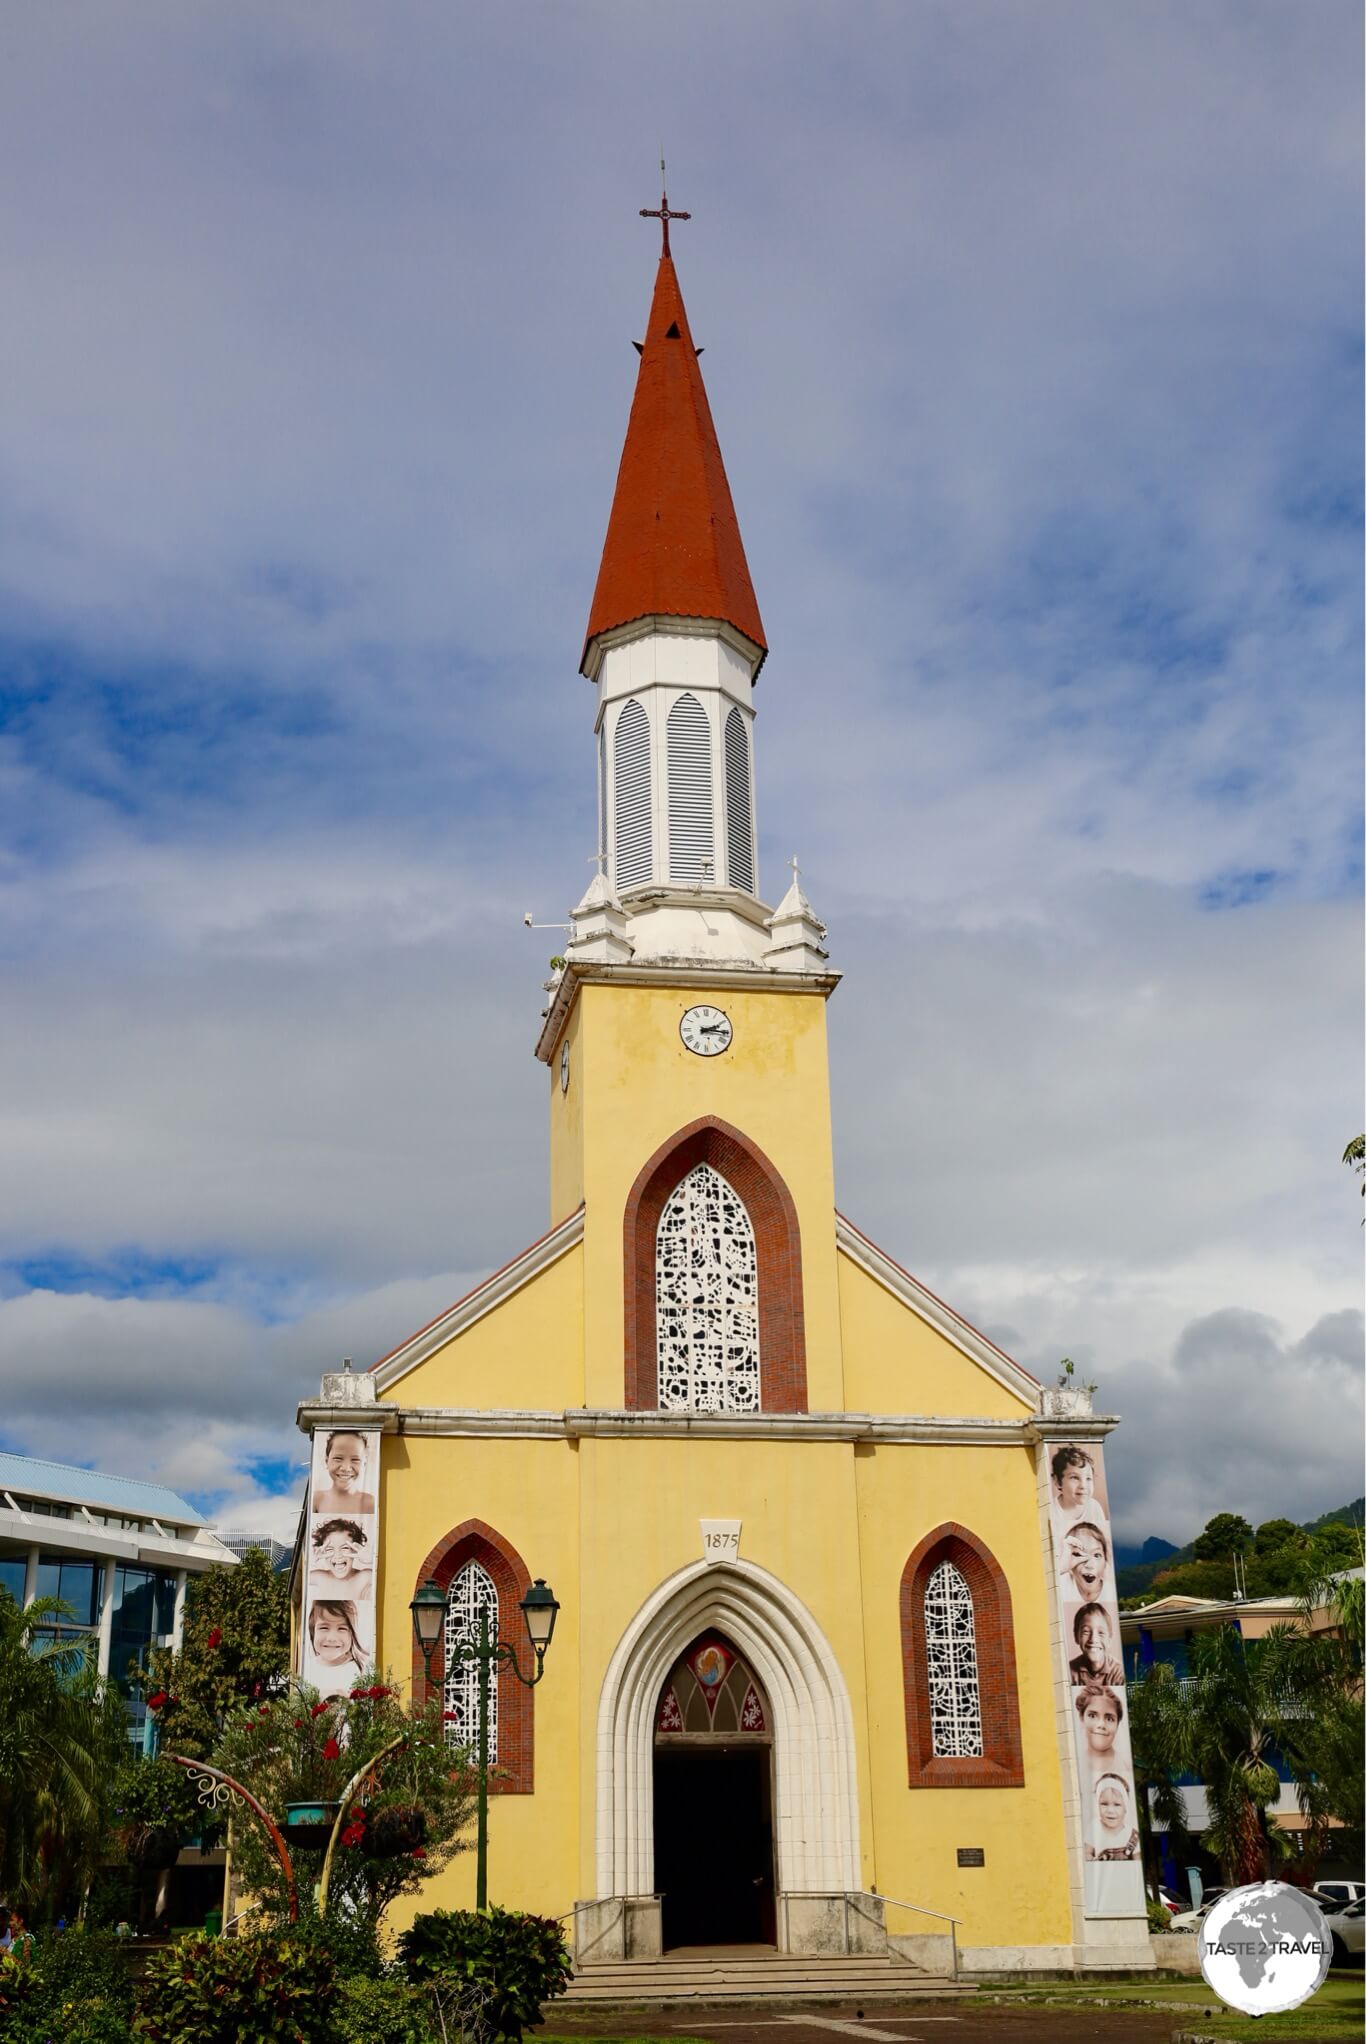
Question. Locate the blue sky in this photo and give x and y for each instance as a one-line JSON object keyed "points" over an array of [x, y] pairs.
{"points": [[1034, 342]]}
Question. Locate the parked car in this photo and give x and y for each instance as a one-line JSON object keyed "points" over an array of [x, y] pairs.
{"points": [[1349, 1933], [1339, 1891], [1191, 1919]]}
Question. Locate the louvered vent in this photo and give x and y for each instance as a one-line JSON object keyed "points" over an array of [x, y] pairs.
{"points": [[602, 791], [632, 791], [739, 824], [692, 844]]}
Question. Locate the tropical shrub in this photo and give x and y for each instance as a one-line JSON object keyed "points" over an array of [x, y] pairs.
{"points": [[153, 1811], [296, 1748], [266, 1989], [1159, 1917], [380, 2012], [520, 1962], [74, 1985]]}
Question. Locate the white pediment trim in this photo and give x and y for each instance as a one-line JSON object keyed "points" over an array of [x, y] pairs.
{"points": [[876, 1264], [485, 1298]]}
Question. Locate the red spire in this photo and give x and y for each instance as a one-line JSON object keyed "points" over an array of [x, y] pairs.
{"points": [[673, 545]]}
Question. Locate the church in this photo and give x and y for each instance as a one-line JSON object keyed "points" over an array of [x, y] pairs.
{"points": [[831, 1669]]}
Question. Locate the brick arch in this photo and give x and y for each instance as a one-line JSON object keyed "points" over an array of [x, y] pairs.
{"points": [[1001, 1764], [777, 1242], [474, 1540]]}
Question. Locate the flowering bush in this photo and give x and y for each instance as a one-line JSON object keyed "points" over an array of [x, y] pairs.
{"points": [[300, 1748]]}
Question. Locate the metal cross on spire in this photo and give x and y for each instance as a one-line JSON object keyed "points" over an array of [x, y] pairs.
{"points": [[663, 212]]}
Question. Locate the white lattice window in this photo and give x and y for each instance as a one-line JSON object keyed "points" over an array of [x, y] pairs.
{"points": [[951, 1661], [707, 1298], [471, 1594]]}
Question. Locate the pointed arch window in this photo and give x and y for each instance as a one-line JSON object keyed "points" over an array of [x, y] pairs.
{"points": [[707, 1298], [631, 792], [739, 816], [692, 843], [958, 1655], [470, 1600], [777, 1381], [478, 1571]]}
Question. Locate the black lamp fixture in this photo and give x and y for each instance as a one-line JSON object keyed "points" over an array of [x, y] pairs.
{"points": [[540, 1611], [429, 1615]]}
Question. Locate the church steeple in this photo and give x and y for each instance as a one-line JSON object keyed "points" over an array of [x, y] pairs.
{"points": [[674, 644], [673, 546]]}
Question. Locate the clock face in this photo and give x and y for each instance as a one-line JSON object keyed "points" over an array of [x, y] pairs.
{"points": [[706, 1031], [564, 1068]]}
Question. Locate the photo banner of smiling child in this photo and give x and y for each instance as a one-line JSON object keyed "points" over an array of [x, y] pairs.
{"points": [[337, 1640], [1084, 1558]]}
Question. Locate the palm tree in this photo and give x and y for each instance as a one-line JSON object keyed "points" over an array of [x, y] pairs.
{"points": [[1158, 1731], [1244, 1705], [61, 1732]]}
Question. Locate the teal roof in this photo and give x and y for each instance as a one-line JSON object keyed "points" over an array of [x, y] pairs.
{"points": [[125, 1494]]}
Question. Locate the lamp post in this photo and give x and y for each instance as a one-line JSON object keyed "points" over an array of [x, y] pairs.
{"points": [[539, 1611]]}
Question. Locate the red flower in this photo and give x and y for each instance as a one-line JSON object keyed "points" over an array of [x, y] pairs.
{"points": [[357, 1694], [378, 1691], [353, 1834], [331, 1751], [318, 1709], [265, 1710], [298, 1724], [159, 1701], [419, 1852], [215, 1638]]}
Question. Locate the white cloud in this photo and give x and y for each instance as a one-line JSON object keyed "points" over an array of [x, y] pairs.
{"points": [[1031, 342]]}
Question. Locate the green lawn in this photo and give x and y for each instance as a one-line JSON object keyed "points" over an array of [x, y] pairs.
{"points": [[1338, 2010]]}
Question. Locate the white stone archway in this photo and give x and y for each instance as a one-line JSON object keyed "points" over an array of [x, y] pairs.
{"points": [[815, 1786]]}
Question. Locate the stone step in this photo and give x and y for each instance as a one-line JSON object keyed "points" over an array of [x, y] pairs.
{"points": [[759, 1976]]}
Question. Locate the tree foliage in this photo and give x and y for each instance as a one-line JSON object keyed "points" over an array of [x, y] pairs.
{"points": [[297, 1749], [234, 1651], [1227, 1533], [521, 1962], [62, 1736], [1291, 1696]]}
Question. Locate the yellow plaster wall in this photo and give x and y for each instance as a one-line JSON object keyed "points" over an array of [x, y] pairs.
{"points": [[639, 1085], [525, 1355], [1021, 1895], [896, 1362], [528, 1491]]}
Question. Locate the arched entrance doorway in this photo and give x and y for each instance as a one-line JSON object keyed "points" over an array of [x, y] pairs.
{"points": [[713, 1783], [813, 1771]]}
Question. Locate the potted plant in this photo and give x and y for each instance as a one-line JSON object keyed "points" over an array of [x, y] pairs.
{"points": [[308, 1826], [390, 1832]]}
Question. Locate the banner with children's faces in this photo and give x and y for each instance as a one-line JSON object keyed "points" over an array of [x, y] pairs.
{"points": [[1083, 1556], [337, 1640]]}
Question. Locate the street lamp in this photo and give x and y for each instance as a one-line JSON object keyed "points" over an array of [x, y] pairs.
{"points": [[539, 1610]]}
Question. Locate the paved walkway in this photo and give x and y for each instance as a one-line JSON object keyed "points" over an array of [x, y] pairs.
{"points": [[927, 2023]]}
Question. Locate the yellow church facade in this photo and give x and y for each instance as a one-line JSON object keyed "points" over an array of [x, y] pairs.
{"points": [[812, 1683]]}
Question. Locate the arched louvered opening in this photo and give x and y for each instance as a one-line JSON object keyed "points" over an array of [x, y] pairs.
{"points": [[707, 1298], [739, 819], [601, 847], [692, 843], [471, 1599], [958, 1655], [631, 791]]}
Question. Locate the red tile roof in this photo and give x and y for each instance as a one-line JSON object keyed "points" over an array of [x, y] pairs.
{"points": [[673, 544]]}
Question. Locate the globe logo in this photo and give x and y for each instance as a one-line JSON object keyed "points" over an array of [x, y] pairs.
{"points": [[1265, 1949]]}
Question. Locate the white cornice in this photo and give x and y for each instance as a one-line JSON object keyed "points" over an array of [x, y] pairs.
{"points": [[454, 1422], [677, 627], [465, 1312], [687, 972], [880, 1267]]}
